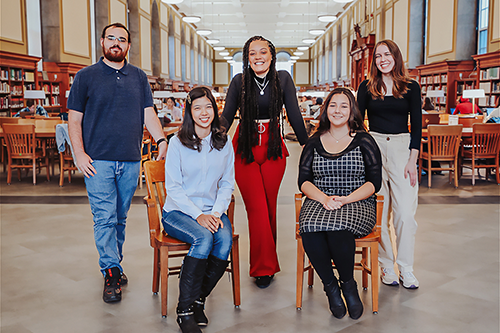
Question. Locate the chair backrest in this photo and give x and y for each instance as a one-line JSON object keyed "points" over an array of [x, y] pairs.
{"points": [[155, 181], [298, 206], [21, 142], [485, 140], [24, 121], [444, 140], [429, 119], [9, 120], [468, 121]]}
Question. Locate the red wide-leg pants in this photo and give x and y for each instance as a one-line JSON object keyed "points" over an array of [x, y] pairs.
{"points": [[259, 184]]}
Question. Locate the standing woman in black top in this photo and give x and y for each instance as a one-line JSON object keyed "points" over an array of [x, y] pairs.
{"points": [[390, 96], [259, 93]]}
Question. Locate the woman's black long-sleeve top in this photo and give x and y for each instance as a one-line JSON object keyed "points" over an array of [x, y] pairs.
{"points": [[390, 115], [233, 100]]}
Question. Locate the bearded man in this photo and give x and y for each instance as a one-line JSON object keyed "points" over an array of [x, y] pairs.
{"points": [[109, 103]]}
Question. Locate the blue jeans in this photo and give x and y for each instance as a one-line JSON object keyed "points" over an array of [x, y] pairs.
{"points": [[203, 242], [110, 193]]}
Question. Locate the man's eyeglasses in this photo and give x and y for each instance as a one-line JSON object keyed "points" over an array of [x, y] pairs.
{"points": [[113, 38]]}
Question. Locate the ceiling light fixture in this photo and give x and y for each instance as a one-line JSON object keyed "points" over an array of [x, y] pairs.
{"points": [[203, 32], [191, 19], [219, 48], [294, 57], [228, 58], [213, 41], [298, 53], [308, 40], [343, 1], [292, 61], [224, 54], [303, 48], [327, 18], [316, 32], [172, 2]]}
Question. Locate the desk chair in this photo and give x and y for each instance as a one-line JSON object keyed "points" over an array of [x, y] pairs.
{"points": [[485, 149], [21, 147], [368, 262], [166, 247], [443, 144]]}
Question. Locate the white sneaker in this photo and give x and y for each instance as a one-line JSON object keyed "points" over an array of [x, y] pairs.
{"points": [[389, 277], [408, 280]]}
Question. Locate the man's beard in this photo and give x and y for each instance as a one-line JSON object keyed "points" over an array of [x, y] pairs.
{"points": [[114, 57]]}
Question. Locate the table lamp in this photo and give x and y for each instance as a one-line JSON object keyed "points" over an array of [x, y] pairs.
{"points": [[473, 93], [34, 94], [435, 94], [162, 94]]}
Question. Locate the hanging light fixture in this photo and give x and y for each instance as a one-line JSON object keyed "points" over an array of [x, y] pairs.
{"points": [[224, 54], [172, 2], [327, 18], [228, 58], [343, 1], [213, 41], [308, 40], [294, 57], [203, 32], [303, 48], [219, 48], [191, 19], [298, 53], [316, 32]]}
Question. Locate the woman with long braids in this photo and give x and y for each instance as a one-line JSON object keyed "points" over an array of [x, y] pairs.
{"points": [[259, 93], [390, 97]]}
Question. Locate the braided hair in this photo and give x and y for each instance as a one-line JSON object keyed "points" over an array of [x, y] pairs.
{"points": [[249, 109]]}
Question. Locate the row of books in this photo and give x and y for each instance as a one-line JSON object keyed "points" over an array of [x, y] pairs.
{"points": [[490, 74], [440, 78], [51, 101]]}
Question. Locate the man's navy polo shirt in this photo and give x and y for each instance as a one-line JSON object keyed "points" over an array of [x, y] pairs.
{"points": [[112, 102]]}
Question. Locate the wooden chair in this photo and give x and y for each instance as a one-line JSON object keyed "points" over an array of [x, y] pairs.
{"points": [[443, 144], [485, 149], [66, 162], [21, 146], [368, 262], [145, 156], [166, 247], [6, 120], [50, 143]]}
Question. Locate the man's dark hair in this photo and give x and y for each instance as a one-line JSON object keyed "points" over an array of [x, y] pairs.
{"points": [[115, 25], [30, 102]]}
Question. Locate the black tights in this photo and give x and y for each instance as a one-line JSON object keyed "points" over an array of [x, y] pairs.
{"points": [[324, 246]]}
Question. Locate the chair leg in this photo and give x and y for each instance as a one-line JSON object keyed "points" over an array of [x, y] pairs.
{"points": [[429, 173], [375, 269], [473, 168], [164, 280], [34, 171], [156, 270], [61, 170], [235, 271], [310, 277], [364, 261], [300, 274], [455, 172]]}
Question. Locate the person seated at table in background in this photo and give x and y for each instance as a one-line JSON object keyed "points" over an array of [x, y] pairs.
{"points": [[31, 107], [465, 107], [340, 170], [316, 108], [170, 110], [428, 106], [305, 105], [198, 195]]}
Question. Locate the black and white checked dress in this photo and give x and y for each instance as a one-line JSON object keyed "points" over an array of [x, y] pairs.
{"points": [[339, 174]]}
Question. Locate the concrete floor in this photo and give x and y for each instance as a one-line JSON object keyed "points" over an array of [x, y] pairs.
{"points": [[50, 280]]}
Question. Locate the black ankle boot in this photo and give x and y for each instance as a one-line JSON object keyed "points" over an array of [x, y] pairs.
{"points": [[185, 319], [215, 270], [354, 304], [190, 282], [335, 301]]}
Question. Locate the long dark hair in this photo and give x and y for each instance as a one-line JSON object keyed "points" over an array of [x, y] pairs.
{"points": [[399, 73], [187, 134], [249, 108], [355, 121]]}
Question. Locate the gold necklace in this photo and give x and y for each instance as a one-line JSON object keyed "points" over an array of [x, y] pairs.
{"points": [[337, 140]]}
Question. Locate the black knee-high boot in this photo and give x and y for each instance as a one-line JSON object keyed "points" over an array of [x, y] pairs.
{"points": [[190, 282], [354, 304], [215, 270], [335, 301]]}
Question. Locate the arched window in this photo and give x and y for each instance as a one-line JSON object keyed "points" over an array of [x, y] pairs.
{"points": [[283, 62]]}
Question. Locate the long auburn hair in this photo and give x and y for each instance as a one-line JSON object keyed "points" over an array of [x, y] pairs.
{"points": [[355, 121], [187, 134], [249, 108], [399, 73]]}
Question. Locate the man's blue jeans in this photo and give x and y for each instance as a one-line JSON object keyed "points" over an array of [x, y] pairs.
{"points": [[110, 193], [203, 242]]}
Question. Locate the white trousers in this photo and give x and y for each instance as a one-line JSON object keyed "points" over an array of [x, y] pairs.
{"points": [[400, 202]]}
